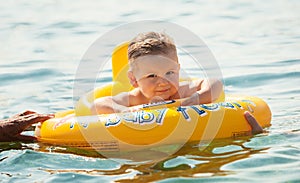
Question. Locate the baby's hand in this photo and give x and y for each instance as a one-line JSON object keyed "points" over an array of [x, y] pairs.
{"points": [[192, 100], [132, 109]]}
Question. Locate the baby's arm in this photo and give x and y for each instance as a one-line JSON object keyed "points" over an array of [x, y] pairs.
{"points": [[110, 104], [209, 90], [202, 91]]}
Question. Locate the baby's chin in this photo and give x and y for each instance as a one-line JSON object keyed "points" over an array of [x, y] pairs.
{"points": [[156, 99]]}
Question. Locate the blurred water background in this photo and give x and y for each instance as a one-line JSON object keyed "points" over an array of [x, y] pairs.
{"points": [[256, 44]]}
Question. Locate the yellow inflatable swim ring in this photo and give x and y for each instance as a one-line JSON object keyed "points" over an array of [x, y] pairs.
{"points": [[157, 124]]}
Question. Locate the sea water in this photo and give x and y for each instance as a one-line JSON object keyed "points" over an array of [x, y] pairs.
{"points": [[256, 44]]}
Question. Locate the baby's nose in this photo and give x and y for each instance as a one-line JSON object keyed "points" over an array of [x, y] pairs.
{"points": [[162, 80]]}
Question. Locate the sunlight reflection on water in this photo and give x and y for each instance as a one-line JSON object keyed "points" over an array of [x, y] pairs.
{"points": [[255, 43]]}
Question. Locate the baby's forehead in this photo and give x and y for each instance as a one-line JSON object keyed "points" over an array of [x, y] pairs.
{"points": [[154, 63], [154, 58]]}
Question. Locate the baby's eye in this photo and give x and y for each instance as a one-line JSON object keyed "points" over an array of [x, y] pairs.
{"points": [[170, 73], [152, 76]]}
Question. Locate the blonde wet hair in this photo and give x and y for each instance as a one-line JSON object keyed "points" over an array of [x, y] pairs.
{"points": [[151, 43]]}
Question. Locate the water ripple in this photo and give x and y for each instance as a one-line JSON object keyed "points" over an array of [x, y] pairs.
{"points": [[261, 78], [65, 25], [257, 46], [8, 78]]}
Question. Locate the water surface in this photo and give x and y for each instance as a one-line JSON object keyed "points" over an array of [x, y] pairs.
{"points": [[256, 44]]}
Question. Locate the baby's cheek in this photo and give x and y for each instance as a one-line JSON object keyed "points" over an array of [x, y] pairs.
{"points": [[175, 84], [147, 92]]}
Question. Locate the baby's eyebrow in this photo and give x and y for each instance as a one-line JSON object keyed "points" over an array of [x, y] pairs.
{"points": [[151, 74]]}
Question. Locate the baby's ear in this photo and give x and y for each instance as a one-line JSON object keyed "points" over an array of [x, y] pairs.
{"points": [[132, 79]]}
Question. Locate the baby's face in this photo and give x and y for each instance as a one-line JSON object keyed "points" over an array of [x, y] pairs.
{"points": [[157, 75]]}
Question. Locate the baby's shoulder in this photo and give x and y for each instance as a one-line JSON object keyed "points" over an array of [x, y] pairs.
{"points": [[121, 98], [130, 98]]}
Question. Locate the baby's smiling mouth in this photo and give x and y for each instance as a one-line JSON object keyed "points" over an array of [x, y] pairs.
{"points": [[163, 90]]}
